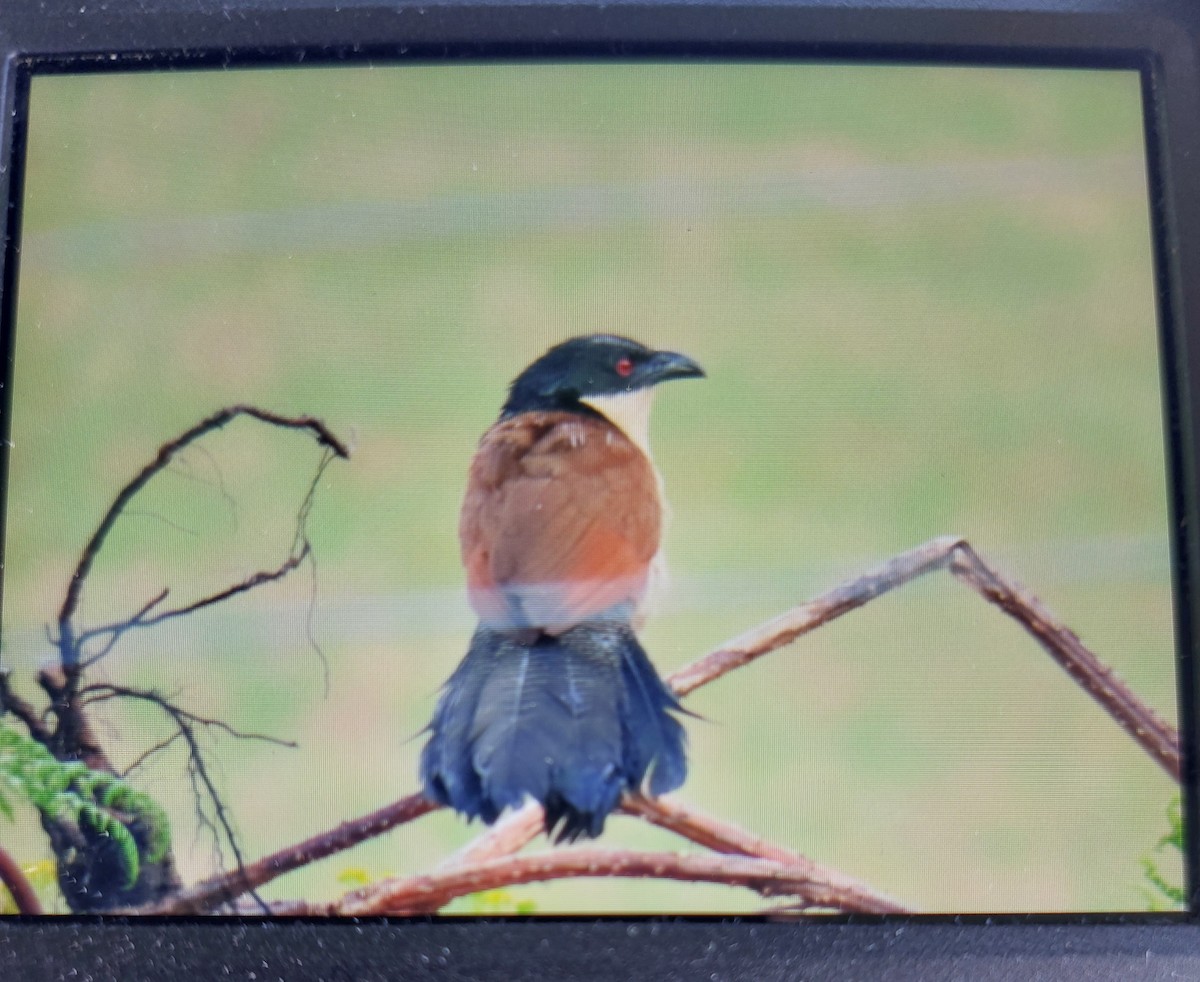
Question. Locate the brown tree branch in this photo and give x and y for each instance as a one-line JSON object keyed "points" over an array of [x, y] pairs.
{"points": [[103, 691], [18, 885], [1157, 738], [72, 737], [223, 889], [843, 892], [68, 646], [511, 833], [418, 894]]}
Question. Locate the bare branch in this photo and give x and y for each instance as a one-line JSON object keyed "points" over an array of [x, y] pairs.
{"points": [[787, 627], [18, 885], [487, 861], [510, 834], [842, 892], [223, 889], [10, 702], [117, 631], [145, 755], [67, 643], [246, 585], [417, 894], [104, 691], [518, 828], [185, 723], [1157, 738]]}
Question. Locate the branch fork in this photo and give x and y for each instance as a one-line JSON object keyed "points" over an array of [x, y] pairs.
{"points": [[736, 857]]}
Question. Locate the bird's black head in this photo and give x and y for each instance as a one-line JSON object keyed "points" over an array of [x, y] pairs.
{"points": [[593, 365]]}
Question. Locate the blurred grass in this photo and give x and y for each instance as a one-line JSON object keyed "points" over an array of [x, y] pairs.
{"points": [[925, 301]]}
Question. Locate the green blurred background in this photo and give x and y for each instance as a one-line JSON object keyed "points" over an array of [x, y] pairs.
{"points": [[924, 297]]}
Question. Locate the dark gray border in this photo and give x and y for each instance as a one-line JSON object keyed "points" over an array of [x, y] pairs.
{"points": [[1160, 37]]}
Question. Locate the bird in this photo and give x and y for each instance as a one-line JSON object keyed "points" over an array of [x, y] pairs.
{"points": [[561, 532]]}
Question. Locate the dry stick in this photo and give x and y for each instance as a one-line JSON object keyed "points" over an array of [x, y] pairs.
{"points": [[844, 892], [145, 619], [510, 834], [166, 453], [1156, 737], [517, 829], [19, 887], [73, 736], [513, 832], [226, 887], [785, 628], [103, 691], [421, 893]]}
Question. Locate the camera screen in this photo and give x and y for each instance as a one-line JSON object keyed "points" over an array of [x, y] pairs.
{"points": [[325, 379]]}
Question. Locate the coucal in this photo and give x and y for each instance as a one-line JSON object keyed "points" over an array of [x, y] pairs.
{"points": [[560, 532]]}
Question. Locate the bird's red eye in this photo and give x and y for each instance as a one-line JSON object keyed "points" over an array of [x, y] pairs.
{"points": [[624, 368]]}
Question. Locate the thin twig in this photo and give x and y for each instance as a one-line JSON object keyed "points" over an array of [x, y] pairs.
{"points": [[68, 647], [223, 889], [18, 885], [117, 631], [787, 627], [185, 722], [145, 755], [255, 580], [10, 702], [104, 691]]}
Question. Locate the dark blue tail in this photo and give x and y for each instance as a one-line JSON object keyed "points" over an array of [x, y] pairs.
{"points": [[570, 721]]}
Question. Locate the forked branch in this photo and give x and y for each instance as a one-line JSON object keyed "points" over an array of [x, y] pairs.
{"points": [[1156, 737], [488, 861], [72, 736], [67, 642]]}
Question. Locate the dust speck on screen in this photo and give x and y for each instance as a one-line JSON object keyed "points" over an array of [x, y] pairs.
{"points": [[337, 505]]}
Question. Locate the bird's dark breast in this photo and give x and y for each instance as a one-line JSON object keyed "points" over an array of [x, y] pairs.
{"points": [[560, 522]]}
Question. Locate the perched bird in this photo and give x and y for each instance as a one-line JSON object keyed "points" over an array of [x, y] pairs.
{"points": [[560, 531]]}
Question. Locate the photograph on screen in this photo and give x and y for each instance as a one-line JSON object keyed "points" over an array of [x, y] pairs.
{"points": [[646, 488]]}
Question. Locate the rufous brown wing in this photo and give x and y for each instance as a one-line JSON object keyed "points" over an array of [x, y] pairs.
{"points": [[560, 523]]}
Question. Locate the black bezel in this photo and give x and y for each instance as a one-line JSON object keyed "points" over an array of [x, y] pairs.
{"points": [[1160, 38]]}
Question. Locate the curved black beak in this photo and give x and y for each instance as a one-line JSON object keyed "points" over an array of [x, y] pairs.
{"points": [[665, 365]]}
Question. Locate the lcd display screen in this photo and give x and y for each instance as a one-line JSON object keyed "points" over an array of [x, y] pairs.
{"points": [[923, 300]]}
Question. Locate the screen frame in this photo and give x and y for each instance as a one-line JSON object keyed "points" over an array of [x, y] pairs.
{"points": [[1159, 38]]}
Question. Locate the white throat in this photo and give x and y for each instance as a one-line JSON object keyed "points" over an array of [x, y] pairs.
{"points": [[629, 412]]}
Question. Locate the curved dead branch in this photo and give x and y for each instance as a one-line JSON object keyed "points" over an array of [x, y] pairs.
{"points": [[67, 642]]}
